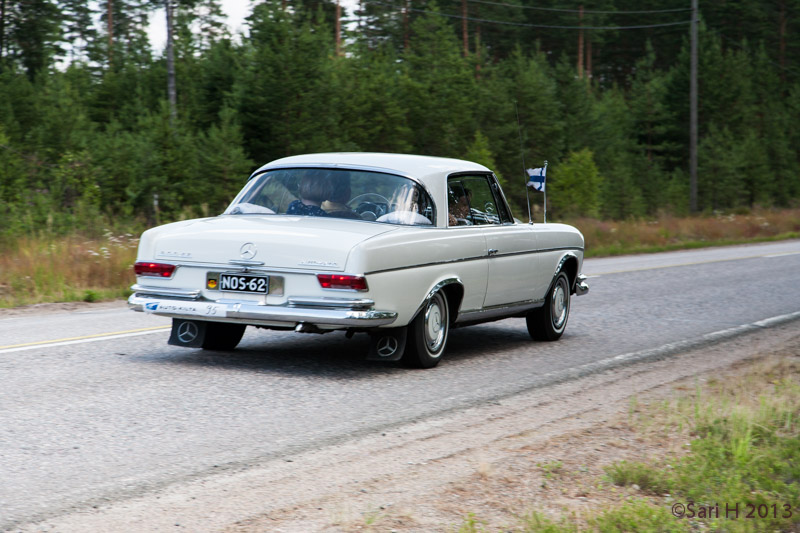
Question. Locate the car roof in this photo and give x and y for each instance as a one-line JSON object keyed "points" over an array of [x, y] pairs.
{"points": [[421, 167]]}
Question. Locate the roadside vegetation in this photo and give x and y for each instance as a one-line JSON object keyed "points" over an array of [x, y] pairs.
{"points": [[741, 440], [39, 269], [47, 268]]}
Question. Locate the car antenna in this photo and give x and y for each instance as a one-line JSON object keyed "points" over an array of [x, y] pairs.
{"points": [[524, 172]]}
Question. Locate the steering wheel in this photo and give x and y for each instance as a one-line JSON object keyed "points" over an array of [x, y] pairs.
{"points": [[367, 197]]}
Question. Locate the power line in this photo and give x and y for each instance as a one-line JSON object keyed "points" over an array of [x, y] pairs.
{"points": [[585, 11], [525, 25]]}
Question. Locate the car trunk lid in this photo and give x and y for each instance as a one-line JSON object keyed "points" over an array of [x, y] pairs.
{"points": [[277, 241]]}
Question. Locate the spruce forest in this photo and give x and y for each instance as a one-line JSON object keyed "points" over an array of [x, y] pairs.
{"points": [[94, 129]]}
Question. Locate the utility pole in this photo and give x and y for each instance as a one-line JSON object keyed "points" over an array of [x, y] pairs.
{"points": [[693, 113]]}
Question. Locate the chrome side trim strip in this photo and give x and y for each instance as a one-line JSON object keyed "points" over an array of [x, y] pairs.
{"points": [[449, 261], [165, 291], [498, 311]]}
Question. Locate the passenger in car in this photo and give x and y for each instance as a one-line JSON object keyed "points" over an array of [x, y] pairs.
{"points": [[314, 189]]}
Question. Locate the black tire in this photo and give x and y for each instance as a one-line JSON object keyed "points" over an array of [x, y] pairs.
{"points": [[547, 323], [427, 334], [222, 337]]}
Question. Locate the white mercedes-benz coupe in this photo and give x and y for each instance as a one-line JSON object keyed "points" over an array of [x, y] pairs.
{"points": [[402, 247]]}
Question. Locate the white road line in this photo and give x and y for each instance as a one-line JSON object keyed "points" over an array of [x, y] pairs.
{"points": [[660, 352], [49, 344]]}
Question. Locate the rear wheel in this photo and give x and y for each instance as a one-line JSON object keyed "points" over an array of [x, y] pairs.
{"points": [[548, 322], [221, 336], [427, 334]]}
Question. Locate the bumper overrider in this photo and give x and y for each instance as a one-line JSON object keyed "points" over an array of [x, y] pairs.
{"points": [[324, 313]]}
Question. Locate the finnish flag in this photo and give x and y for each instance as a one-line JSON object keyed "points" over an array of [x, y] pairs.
{"points": [[537, 178]]}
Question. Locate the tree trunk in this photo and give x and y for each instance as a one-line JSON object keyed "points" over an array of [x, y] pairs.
{"points": [[580, 42], [2, 29], [405, 25], [338, 29], [782, 42], [464, 34], [110, 28], [171, 91]]}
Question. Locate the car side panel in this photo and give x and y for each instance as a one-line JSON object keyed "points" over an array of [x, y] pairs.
{"points": [[513, 267], [401, 267], [555, 241]]}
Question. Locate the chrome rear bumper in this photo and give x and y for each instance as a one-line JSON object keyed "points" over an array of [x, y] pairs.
{"points": [[324, 313]]}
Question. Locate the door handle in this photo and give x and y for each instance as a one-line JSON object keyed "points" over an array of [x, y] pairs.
{"points": [[492, 251]]}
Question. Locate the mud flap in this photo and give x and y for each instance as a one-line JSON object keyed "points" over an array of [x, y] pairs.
{"points": [[387, 345], [187, 333]]}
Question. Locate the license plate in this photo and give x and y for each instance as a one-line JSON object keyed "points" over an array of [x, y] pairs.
{"points": [[244, 283]]}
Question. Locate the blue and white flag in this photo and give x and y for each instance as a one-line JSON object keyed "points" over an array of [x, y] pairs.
{"points": [[537, 178]]}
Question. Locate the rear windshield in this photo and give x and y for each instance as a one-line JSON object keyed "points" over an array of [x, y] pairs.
{"points": [[335, 193]]}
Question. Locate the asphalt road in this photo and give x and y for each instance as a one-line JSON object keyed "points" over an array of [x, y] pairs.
{"points": [[95, 406]]}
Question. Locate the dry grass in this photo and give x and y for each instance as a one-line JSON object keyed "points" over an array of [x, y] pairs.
{"points": [[37, 269], [48, 269], [605, 238]]}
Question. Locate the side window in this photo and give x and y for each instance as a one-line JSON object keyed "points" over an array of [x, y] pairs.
{"points": [[471, 202]]}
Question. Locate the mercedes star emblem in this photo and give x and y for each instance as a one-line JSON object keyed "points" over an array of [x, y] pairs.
{"points": [[387, 346], [248, 250], [187, 332]]}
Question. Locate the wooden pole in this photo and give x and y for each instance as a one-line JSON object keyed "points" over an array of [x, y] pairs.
{"points": [[693, 113]]}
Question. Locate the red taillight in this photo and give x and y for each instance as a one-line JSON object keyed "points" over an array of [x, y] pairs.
{"points": [[159, 270], [338, 281]]}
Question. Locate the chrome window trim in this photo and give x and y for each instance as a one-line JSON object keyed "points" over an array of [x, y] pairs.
{"points": [[363, 168]]}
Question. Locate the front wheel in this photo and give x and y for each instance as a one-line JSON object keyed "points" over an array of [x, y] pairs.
{"points": [[548, 322], [427, 334]]}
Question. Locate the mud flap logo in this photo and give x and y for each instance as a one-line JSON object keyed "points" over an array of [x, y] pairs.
{"points": [[387, 346], [187, 333]]}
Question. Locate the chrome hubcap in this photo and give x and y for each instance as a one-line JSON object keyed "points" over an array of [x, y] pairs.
{"points": [[435, 327], [560, 304]]}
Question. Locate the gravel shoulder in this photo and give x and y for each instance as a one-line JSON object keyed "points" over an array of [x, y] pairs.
{"points": [[490, 461]]}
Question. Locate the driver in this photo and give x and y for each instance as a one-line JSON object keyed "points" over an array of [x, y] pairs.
{"points": [[336, 204], [458, 206]]}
